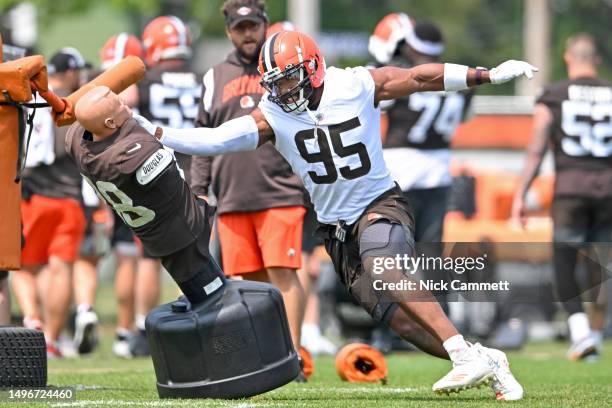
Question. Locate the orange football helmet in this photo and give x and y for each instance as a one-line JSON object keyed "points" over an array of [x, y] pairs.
{"points": [[291, 56], [118, 47], [280, 26], [166, 37], [388, 34]]}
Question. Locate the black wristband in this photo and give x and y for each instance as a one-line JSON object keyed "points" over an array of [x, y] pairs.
{"points": [[479, 76]]}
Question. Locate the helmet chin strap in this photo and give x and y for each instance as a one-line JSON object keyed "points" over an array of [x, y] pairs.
{"points": [[312, 116]]}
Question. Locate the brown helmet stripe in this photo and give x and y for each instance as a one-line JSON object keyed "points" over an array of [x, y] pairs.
{"points": [[268, 52]]}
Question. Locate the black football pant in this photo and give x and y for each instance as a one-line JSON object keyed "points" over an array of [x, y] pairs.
{"points": [[581, 225]]}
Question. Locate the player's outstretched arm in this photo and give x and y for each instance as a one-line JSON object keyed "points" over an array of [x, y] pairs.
{"points": [[394, 82], [237, 135]]}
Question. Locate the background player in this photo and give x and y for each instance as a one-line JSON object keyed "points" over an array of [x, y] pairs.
{"points": [[361, 212], [52, 214], [417, 143], [136, 277], [418, 131], [570, 116]]}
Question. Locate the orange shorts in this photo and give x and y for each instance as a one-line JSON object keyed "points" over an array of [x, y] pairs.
{"points": [[251, 241], [51, 226]]}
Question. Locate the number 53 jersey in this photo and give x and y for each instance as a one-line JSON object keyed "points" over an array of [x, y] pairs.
{"points": [[140, 180], [581, 136], [336, 150]]}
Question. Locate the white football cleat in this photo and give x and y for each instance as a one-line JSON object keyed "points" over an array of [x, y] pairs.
{"points": [[315, 342], [583, 349], [471, 371], [505, 386], [121, 348], [85, 331]]}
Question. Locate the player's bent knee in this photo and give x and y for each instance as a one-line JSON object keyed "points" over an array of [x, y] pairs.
{"points": [[385, 239]]}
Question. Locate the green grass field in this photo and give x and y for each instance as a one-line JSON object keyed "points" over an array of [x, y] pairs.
{"points": [[549, 381], [102, 380]]}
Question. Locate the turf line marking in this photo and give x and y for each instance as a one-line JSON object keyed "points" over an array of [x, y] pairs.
{"points": [[167, 403], [351, 390]]}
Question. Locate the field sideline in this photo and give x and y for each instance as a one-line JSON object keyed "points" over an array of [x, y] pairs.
{"points": [[549, 381]]}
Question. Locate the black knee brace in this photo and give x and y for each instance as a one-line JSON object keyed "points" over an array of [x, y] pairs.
{"points": [[385, 239]]}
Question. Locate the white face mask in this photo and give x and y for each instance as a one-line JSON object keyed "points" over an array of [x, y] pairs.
{"points": [[299, 105]]}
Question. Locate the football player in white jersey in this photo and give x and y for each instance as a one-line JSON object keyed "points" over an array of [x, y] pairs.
{"points": [[326, 123]]}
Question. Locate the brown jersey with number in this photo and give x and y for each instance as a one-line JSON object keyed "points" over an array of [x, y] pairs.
{"points": [[426, 120], [581, 136], [168, 96], [141, 182]]}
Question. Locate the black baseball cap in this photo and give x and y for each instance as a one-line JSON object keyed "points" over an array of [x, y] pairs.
{"points": [[66, 59], [235, 16]]}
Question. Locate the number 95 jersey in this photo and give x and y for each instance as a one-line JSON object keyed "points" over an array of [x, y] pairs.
{"points": [[335, 150]]}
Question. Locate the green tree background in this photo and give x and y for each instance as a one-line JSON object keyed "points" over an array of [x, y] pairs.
{"points": [[477, 32]]}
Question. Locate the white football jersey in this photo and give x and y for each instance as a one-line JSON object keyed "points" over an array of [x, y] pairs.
{"points": [[339, 156]]}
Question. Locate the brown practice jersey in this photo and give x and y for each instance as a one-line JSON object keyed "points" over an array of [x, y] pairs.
{"points": [[581, 136], [425, 120], [246, 181], [141, 182], [168, 96]]}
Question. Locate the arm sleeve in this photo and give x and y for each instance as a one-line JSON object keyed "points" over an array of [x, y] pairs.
{"points": [[237, 135], [201, 166]]}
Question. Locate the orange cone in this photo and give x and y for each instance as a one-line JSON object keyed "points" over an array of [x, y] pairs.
{"points": [[358, 362]]}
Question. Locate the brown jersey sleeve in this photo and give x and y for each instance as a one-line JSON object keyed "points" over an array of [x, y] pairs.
{"points": [[550, 95], [73, 135]]}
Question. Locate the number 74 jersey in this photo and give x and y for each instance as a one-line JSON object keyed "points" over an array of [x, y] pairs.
{"points": [[335, 150]]}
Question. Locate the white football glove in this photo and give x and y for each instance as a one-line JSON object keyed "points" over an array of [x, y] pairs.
{"points": [[511, 69], [145, 123]]}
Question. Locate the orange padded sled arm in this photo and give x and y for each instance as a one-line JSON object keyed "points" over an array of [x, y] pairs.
{"points": [[118, 78]]}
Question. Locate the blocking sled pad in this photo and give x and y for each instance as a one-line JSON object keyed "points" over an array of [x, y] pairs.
{"points": [[236, 344]]}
